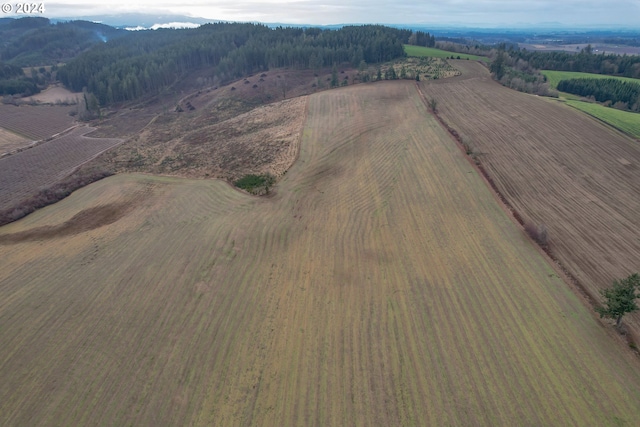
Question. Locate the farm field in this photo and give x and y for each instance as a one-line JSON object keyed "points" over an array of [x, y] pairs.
{"points": [[10, 141], [370, 289], [626, 121], [35, 122], [23, 174], [421, 51], [554, 77], [555, 166]]}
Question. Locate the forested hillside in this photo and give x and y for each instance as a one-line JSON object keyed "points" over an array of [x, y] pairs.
{"points": [[148, 61], [34, 42]]}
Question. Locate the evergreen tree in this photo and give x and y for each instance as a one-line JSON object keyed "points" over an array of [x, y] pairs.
{"points": [[498, 66], [334, 76]]}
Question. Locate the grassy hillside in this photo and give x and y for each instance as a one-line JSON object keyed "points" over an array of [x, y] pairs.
{"points": [[421, 51], [626, 121], [380, 285], [554, 77]]}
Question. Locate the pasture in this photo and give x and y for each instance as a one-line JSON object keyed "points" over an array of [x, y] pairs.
{"points": [[432, 52], [380, 285], [555, 166]]}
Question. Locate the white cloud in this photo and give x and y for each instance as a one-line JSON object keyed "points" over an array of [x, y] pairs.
{"points": [[489, 12]]}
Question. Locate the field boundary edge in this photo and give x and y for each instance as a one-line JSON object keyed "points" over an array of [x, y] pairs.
{"points": [[573, 283]]}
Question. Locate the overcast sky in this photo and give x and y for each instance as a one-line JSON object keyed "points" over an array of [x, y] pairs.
{"points": [[322, 12]]}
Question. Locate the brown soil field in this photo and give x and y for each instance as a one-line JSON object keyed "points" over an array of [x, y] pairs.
{"points": [[370, 289], [555, 166], [10, 141], [24, 173], [35, 122]]}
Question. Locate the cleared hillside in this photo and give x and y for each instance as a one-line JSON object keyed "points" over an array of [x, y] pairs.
{"points": [[381, 285]]}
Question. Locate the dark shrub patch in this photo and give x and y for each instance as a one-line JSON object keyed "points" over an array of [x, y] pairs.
{"points": [[256, 184]]}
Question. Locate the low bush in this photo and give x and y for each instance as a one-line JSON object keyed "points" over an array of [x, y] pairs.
{"points": [[538, 233], [256, 184]]}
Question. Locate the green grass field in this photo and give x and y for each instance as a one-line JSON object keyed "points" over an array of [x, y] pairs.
{"points": [[421, 51], [624, 120], [554, 77]]}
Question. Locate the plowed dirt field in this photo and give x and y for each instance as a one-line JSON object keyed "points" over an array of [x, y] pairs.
{"points": [[35, 122], [23, 174], [557, 167], [381, 285]]}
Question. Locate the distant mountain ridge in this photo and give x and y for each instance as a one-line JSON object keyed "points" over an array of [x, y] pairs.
{"points": [[36, 41], [132, 20]]}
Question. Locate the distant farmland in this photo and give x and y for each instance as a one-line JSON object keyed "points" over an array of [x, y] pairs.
{"points": [[381, 285], [421, 51]]}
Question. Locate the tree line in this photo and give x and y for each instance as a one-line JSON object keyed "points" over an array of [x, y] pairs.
{"points": [[518, 74], [420, 38], [586, 61], [13, 81], [8, 71], [150, 61], [519, 68], [621, 94]]}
